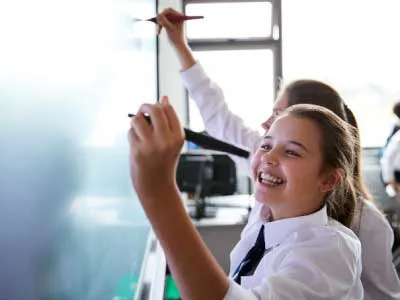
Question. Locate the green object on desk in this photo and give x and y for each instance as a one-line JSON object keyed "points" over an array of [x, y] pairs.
{"points": [[171, 291]]}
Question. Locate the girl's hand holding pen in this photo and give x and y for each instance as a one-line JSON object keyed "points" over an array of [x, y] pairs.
{"points": [[154, 150], [174, 29]]}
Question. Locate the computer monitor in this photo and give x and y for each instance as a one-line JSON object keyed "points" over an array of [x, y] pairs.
{"points": [[204, 174]]}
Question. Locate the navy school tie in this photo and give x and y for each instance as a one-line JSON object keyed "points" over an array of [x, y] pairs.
{"points": [[252, 259]]}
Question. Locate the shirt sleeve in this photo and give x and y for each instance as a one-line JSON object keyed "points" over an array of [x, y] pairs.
{"points": [[379, 275], [219, 121], [312, 272], [388, 160]]}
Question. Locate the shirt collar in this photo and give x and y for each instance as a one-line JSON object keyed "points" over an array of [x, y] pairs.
{"points": [[276, 232]]}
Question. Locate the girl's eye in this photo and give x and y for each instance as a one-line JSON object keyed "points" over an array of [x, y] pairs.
{"points": [[292, 153], [265, 147], [277, 113]]}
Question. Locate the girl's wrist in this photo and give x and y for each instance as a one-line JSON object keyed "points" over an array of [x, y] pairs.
{"points": [[180, 46], [161, 195]]}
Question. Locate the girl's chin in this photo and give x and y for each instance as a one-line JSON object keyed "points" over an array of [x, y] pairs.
{"points": [[268, 197]]}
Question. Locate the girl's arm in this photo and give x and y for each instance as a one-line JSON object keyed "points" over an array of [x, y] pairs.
{"points": [[195, 270], [154, 152], [176, 36], [219, 121]]}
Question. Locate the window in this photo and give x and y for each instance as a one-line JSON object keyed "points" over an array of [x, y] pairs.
{"points": [[238, 44], [230, 20], [353, 46], [248, 87]]}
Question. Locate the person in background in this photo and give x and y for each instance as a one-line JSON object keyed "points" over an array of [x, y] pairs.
{"points": [[390, 158], [379, 276], [396, 126], [390, 165]]}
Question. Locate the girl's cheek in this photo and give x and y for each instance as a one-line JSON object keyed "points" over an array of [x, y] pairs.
{"points": [[255, 163]]}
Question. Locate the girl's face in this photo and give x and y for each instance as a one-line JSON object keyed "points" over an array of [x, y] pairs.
{"points": [[288, 168], [280, 105]]}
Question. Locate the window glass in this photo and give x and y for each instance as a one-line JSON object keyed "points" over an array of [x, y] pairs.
{"points": [[246, 79], [353, 46], [230, 20]]}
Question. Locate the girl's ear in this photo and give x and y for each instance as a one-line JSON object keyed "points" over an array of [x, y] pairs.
{"points": [[331, 179]]}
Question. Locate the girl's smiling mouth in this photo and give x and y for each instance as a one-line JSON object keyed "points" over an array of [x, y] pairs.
{"points": [[269, 179]]}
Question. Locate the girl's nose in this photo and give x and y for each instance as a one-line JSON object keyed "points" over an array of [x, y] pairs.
{"points": [[267, 123], [271, 159]]}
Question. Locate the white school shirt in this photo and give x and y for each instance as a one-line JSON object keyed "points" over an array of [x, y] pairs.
{"points": [[390, 160], [309, 257], [379, 276]]}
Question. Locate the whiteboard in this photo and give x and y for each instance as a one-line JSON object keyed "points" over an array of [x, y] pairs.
{"points": [[70, 72]]}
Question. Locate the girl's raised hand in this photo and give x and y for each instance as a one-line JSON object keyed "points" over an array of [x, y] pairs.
{"points": [[154, 149]]}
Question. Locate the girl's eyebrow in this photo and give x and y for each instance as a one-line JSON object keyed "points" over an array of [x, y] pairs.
{"points": [[268, 137], [299, 145]]}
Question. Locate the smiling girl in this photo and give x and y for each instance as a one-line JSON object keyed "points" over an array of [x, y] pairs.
{"points": [[300, 247]]}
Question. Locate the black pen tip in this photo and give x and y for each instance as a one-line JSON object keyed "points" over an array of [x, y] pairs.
{"points": [[130, 115]]}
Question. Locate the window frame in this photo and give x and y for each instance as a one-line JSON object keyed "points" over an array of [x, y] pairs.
{"points": [[272, 43]]}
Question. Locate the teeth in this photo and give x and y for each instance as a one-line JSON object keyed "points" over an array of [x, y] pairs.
{"points": [[270, 178]]}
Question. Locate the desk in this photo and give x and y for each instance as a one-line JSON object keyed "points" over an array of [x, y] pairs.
{"points": [[222, 232], [227, 210]]}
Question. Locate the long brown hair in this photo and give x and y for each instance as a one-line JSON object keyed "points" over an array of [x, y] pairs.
{"points": [[308, 91], [338, 152], [357, 175]]}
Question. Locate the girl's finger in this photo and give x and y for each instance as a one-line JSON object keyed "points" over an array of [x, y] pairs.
{"points": [[141, 127], [171, 12], [158, 30], [158, 118], [173, 120], [133, 139], [164, 22]]}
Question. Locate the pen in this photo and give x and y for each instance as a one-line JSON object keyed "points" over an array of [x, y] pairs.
{"points": [[176, 18], [208, 142]]}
